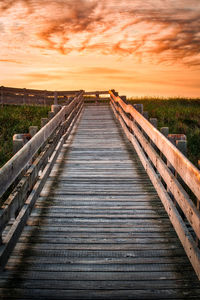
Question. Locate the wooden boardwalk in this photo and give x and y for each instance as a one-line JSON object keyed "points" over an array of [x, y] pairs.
{"points": [[99, 229]]}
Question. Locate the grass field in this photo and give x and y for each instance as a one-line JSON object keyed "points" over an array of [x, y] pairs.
{"points": [[181, 116], [17, 119]]}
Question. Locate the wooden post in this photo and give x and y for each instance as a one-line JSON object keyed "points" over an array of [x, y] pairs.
{"points": [[44, 98], [24, 96], [164, 131], [33, 130], [55, 98], [154, 122], [97, 98], [18, 142], [44, 121], [55, 108], [2, 95], [182, 146], [51, 114], [139, 107], [146, 114], [123, 98]]}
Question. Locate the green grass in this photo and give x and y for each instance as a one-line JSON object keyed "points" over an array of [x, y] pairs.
{"points": [[180, 115], [17, 119]]}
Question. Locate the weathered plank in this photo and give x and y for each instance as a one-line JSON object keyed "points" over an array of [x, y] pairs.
{"points": [[98, 229]]}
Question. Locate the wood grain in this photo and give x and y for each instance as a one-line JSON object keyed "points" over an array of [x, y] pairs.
{"points": [[98, 229]]}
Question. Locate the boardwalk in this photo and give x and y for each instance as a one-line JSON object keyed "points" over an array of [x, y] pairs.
{"points": [[98, 230]]}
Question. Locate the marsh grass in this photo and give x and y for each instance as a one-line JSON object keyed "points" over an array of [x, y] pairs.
{"points": [[180, 115], [17, 119]]}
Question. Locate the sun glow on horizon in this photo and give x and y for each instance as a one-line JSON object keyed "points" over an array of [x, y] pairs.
{"points": [[90, 45]]}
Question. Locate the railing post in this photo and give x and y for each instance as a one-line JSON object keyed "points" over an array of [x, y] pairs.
{"points": [[123, 98], [182, 146], [44, 121], [55, 98], [97, 98], [154, 122], [55, 108], [33, 130], [139, 107], [44, 97], [2, 95], [24, 96], [164, 131], [19, 140], [146, 115]]}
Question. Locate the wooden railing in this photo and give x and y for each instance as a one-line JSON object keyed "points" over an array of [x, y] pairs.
{"points": [[156, 152], [32, 164], [19, 96]]}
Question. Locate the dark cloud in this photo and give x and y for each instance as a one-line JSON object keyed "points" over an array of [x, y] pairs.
{"points": [[169, 31]]}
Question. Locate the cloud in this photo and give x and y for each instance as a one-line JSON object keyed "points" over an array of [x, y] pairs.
{"points": [[42, 77], [10, 61], [167, 32], [101, 70]]}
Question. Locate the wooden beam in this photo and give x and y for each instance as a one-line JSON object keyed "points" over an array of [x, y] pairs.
{"points": [[96, 92], [188, 172]]}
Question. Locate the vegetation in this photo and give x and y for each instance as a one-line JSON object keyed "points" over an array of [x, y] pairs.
{"points": [[180, 115], [17, 119]]}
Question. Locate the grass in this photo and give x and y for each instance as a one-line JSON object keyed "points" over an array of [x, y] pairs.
{"points": [[17, 119], [180, 115]]}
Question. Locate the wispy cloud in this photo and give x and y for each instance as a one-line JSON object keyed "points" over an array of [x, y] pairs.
{"points": [[165, 31], [10, 61]]}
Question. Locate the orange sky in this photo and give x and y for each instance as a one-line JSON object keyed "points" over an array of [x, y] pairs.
{"points": [[137, 47]]}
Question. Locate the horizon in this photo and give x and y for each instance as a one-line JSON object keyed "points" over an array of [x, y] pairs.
{"points": [[151, 51]]}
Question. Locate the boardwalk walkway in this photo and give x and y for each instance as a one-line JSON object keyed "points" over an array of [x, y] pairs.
{"points": [[98, 230]]}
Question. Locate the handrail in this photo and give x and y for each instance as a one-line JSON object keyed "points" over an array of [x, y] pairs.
{"points": [[36, 92], [174, 198], [188, 172], [10, 171]]}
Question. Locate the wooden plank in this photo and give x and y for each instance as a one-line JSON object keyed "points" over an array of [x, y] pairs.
{"points": [[100, 294], [96, 92], [102, 284], [76, 244]]}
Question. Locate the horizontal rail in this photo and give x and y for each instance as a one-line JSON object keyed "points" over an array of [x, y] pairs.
{"points": [[24, 91], [188, 172], [96, 93], [135, 130]]}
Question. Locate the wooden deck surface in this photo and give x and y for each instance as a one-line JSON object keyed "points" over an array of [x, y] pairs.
{"points": [[99, 230]]}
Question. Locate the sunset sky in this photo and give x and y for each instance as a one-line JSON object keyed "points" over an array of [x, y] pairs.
{"points": [[139, 48]]}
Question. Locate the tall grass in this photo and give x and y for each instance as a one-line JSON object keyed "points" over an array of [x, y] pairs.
{"points": [[180, 115], [17, 119]]}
